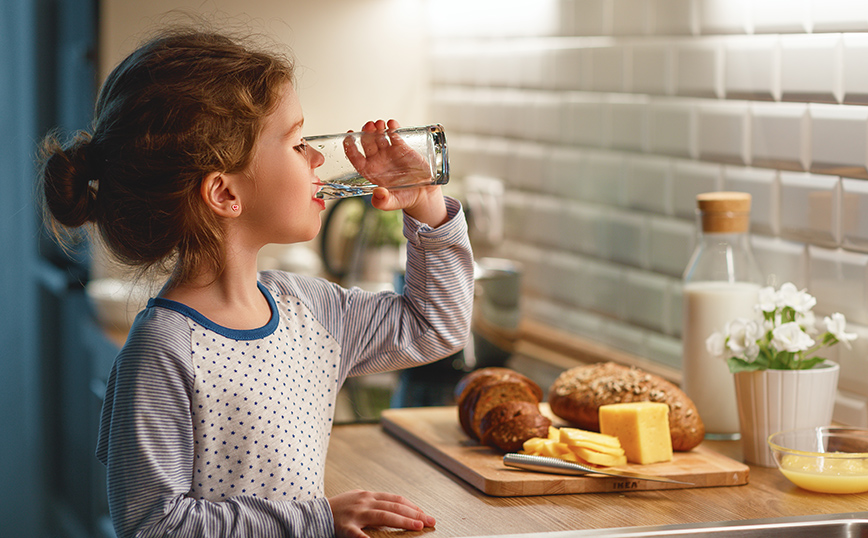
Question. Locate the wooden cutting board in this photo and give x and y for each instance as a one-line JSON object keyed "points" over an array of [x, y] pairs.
{"points": [[435, 432]]}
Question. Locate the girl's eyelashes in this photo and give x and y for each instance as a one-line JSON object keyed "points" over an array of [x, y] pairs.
{"points": [[301, 148]]}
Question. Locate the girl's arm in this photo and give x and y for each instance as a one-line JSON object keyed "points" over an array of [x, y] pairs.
{"points": [[380, 332]]}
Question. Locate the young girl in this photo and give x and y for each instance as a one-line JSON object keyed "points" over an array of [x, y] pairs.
{"points": [[219, 407]]}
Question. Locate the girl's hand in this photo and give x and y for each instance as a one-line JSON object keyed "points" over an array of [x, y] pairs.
{"points": [[355, 510], [385, 158], [383, 155], [425, 204]]}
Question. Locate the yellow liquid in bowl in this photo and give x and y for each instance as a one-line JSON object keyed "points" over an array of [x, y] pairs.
{"points": [[826, 475]]}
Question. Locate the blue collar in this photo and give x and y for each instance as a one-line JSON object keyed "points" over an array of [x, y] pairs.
{"points": [[235, 334]]}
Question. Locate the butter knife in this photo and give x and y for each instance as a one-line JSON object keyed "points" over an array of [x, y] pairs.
{"points": [[546, 464]]}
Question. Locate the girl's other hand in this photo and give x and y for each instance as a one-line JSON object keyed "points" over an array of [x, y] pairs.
{"points": [[355, 510]]}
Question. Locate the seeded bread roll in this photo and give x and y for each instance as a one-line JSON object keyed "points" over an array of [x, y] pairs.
{"points": [[577, 394]]}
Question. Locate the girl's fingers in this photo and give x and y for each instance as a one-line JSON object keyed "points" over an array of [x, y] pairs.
{"points": [[354, 532], [375, 140], [395, 521], [383, 199], [355, 510], [353, 154], [398, 504], [402, 507], [368, 140], [399, 516]]}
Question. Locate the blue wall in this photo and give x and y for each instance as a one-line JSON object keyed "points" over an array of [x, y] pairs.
{"points": [[22, 496]]}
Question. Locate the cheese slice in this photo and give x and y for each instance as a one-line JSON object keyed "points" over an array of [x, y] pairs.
{"points": [[554, 434], [575, 436], [642, 428], [541, 446], [579, 446], [598, 458]]}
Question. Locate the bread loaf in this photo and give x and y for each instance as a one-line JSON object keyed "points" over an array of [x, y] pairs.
{"points": [[464, 386], [577, 394], [500, 408], [491, 395], [467, 391], [509, 436], [503, 414]]}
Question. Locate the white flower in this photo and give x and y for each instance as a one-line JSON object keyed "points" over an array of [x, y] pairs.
{"points": [[743, 334], [790, 337], [783, 337], [790, 296], [808, 322], [767, 301], [715, 344], [837, 324]]}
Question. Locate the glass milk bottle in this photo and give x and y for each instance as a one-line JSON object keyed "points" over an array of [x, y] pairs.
{"points": [[721, 283]]}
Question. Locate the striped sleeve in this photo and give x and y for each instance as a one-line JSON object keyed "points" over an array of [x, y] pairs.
{"points": [[386, 331], [146, 442]]}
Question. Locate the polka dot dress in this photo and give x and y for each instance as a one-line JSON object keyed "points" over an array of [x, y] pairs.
{"points": [[263, 408]]}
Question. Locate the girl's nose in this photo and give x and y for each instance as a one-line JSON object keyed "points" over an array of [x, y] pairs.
{"points": [[314, 157]]}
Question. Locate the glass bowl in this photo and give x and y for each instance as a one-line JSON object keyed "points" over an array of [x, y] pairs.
{"points": [[824, 459]]}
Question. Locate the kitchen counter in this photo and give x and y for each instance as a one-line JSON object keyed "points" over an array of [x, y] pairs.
{"points": [[363, 456]]}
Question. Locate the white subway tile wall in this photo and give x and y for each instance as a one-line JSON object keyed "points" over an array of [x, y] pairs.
{"points": [[752, 67], [811, 67], [780, 136], [762, 185], [855, 80], [605, 118]]}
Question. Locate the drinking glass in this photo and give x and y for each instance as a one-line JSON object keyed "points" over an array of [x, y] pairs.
{"points": [[355, 163]]}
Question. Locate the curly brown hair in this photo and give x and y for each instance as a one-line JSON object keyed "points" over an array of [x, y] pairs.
{"points": [[185, 104]]}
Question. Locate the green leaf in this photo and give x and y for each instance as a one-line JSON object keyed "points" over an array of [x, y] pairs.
{"points": [[737, 365], [782, 360], [807, 364]]}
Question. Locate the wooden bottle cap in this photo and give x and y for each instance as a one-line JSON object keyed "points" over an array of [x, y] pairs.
{"points": [[724, 212]]}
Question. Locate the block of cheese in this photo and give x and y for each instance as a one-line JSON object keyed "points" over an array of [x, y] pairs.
{"points": [[642, 428]]}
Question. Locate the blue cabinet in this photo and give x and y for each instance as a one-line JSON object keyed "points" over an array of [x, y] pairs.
{"points": [[51, 482]]}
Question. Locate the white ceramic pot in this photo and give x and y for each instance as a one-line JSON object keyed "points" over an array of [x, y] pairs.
{"points": [[770, 401]]}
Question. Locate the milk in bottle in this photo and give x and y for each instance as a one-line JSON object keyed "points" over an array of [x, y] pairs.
{"points": [[721, 283]]}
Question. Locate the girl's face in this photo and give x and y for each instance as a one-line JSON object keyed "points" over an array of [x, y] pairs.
{"points": [[278, 199]]}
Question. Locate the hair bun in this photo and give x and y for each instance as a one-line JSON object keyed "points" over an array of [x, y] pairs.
{"points": [[69, 179]]}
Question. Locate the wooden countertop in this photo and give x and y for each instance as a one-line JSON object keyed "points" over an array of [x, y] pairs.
{"points": [[364, 456]]}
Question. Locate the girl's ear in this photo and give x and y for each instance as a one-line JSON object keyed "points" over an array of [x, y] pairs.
{"points": [[219, 193]]}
